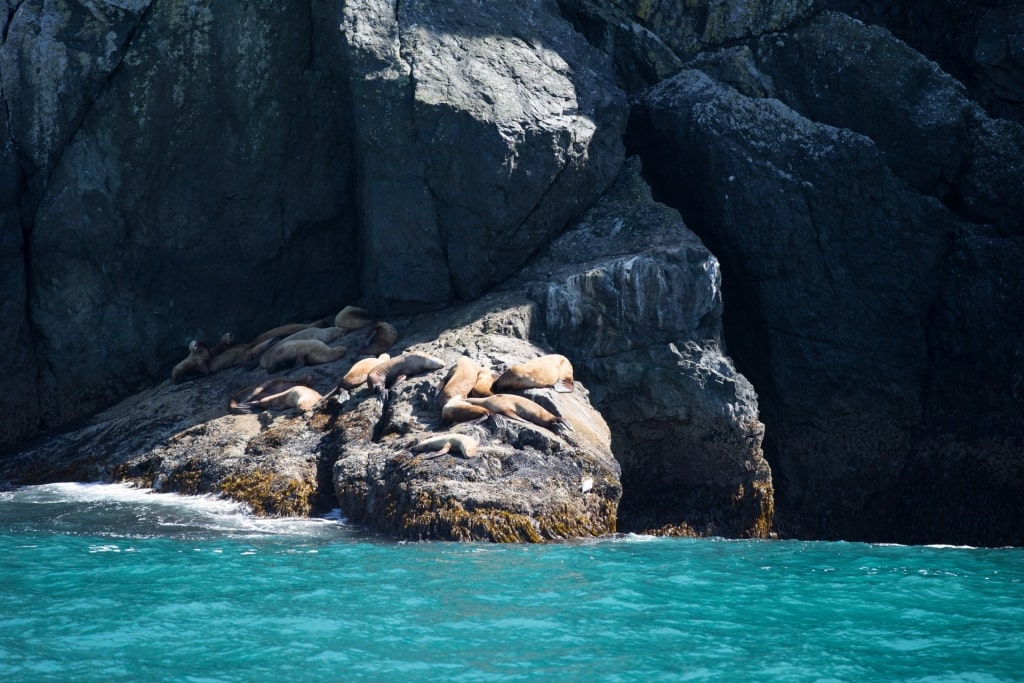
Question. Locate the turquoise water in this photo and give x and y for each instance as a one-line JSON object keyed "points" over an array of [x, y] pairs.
{"points": [[105, 583]]}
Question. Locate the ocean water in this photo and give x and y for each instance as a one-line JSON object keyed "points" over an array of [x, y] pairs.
{"points": [[107, 583]]}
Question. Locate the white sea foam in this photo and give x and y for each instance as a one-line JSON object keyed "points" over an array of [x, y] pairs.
{"points": [[124, 511]]}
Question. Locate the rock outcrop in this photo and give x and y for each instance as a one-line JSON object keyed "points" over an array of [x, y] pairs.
{"points": [[684, 422], [845, 207], [171, 171]]}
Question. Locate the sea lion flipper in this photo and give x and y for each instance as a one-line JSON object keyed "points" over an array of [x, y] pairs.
{"points": [[247, 408], [564, 386]]}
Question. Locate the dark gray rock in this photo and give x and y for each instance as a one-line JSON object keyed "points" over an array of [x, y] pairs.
{"points": [[637, 299], [980, 42], [836, 265], [188, 175], [481, 130], [648, 40], [931, 134]]}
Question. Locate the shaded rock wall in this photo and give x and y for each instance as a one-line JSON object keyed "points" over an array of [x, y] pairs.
{"points": [[177, 170], [845, 208]]}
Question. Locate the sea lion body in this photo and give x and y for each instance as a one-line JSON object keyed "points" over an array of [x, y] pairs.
{"points": [[324, 334], [228, 358], [267, 388], [518, 408], [359, 370], [227, 341], [300, 397], [460, 381], [448, 441], [459, 410], [352, 318], [282, 331], [382, 337], [551, 370], [299, 353], [385, 375], [196, 363], [484, 383]]}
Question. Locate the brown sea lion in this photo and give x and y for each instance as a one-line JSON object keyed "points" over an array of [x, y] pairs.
{"points": [[352, 318], [518, 408], [448, 441], [356, 375], [227, 341], [460, 381], [551, 370], [324, 334], [287, 354], [300, 397], [389, 373], [459, 410], [382, 336], [228, 358], [267, 388], [195, 364]]}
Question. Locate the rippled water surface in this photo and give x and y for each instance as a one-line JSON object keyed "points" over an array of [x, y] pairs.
{"points": [[106, 583]]}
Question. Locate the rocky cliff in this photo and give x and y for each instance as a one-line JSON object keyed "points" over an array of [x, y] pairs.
{"points": [[171, 171]]}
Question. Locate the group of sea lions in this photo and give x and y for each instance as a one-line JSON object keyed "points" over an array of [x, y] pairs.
{"points": [[468, 392]]}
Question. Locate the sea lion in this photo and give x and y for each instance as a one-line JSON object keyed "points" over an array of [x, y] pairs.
{"points": [[352, 318], [459, 410], [448, 441], [551, 370], [356, 375], [283, 331], [228, 358], [324, 334], [389, 373], [299, 353], [382, 336], [300, 397], [267, 388], [255, 350], [484, 383], [460, 380], [518, 408], [195, 364], [227, 340]]}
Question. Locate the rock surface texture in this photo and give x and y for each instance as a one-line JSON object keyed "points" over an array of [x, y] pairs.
{"points": [[833, 351]]}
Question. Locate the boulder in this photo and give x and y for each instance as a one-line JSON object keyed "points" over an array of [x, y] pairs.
{"points": [[684, 422], [481, 130], [838, 235]]}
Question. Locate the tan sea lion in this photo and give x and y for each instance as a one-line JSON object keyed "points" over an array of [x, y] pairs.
{"points": [[551, 370], [382, 337], [458, 410], [389, 373], [283, 331], [195, 364], [484, 383], [460, 380], [324, 334], [518, 408], [255, 350], [448, 441], [300, 397], [352, 318], [267, 388], [297, 354], [356, 375]]}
